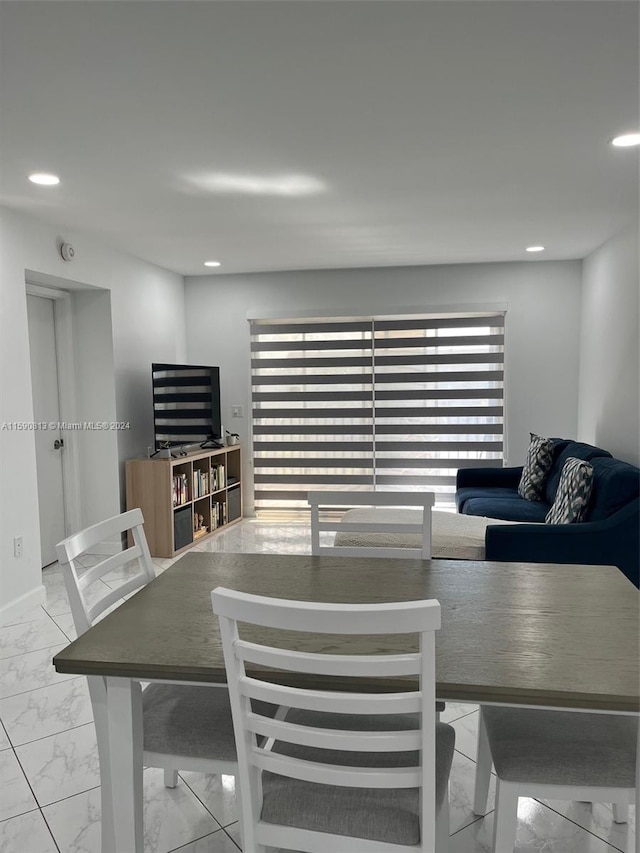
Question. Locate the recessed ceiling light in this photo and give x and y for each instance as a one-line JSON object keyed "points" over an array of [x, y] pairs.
{"points": [[626, 140], [45, 179], [535, 248], [212, 263]]}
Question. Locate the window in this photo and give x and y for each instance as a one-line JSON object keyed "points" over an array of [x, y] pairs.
{"points": [[386, 404]]}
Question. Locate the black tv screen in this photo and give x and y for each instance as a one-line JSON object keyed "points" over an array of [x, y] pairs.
{"points": [[186, 404]]}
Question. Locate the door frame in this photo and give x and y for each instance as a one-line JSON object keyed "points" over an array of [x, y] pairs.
{"points": [[63, 325]]}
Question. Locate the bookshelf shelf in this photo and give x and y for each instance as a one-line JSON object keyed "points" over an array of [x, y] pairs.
{"points": [[187, 499]]}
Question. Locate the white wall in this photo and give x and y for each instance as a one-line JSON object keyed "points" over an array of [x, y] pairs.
{"points": [[609, 410], [542, 328], [147, 310]]}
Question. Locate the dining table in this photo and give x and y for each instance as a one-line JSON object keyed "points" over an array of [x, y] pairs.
{"points": [[532, 635]]}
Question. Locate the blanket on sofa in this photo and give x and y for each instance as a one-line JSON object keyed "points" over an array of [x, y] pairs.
{"points": [[453, 536]]}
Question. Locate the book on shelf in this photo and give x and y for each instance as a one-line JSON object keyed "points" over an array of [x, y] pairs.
{"points": [[180, 490], [200, 483], [218, 478]]}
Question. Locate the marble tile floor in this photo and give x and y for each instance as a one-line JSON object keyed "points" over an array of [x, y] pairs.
{"points": [[50, 800]]}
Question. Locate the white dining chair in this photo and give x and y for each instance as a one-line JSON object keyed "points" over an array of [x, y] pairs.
{"points": [[386, 525], [345, 770], [184, 727], [558, 755]]}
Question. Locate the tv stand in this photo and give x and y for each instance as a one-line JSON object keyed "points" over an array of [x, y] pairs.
{"points": [[186, 499]]}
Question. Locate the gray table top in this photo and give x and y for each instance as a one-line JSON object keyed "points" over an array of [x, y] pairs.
{"points": [[519, 633]]}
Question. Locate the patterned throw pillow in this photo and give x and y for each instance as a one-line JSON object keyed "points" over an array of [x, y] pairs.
{"points": [[536, 468], [574, 491]]}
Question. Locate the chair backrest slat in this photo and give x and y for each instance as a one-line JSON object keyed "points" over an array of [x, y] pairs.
{"points": [[113, 596], [336, 774], [342, 739], [374, 665], [110, 564], [333, 702], [404, 617], [372, 527], [80, 542]]}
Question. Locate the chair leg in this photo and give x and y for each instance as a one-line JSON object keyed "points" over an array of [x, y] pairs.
{"points": [[483, 769], [505, 822], [621, 812], [170, 778], [443, 826], [98, 702], [106, 803]]}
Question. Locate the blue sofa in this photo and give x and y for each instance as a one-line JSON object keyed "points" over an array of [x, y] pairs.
{"points": [[609, 534]]}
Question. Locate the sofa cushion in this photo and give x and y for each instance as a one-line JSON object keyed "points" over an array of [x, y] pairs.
{"points": [[496, 494], [536, 468], [574, 491], [576, 449], [515, 509], [615, 484]]}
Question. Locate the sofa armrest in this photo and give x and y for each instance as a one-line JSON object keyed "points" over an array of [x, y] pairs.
{"points": [[611, 542], [505, 478]]}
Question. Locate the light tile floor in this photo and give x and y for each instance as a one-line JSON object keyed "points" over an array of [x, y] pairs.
{"points": [[50, 800]]}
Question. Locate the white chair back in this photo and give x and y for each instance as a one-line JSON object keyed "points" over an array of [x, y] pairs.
{"points": [[256, 755], [78, 580], [176, 718], [377, 521]]}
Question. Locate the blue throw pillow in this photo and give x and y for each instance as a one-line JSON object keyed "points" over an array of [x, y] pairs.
{"points": [[536, 468], [574, 491]]}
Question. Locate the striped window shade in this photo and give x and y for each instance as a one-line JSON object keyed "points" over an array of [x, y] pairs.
{"points": [[385, 404]]}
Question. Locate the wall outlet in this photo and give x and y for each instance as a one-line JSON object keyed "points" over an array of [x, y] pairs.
{"points": [[17, 546], [237, 411]]}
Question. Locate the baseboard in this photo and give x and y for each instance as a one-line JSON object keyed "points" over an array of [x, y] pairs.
{"points": [[14, 609]]}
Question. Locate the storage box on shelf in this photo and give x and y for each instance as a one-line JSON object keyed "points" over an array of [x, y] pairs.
{"points": [[185, 499]]}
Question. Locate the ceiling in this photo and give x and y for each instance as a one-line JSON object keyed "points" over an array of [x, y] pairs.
{"points": [[276, 135]]}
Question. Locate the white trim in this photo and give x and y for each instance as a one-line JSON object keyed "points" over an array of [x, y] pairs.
{"points": [[63, 326], [46, 292], [506, 461], [20, 605]]}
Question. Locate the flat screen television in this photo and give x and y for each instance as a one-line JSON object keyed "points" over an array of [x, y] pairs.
{"points": [[186, 405]]}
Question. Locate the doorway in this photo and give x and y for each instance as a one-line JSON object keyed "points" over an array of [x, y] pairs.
{"points": [[49, 440], [82, 353]]}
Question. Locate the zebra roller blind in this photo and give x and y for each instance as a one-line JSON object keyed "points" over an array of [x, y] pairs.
{"points": [[385, 404]]}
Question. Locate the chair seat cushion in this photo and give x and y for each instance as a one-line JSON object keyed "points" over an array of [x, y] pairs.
{"points": [[390, 816], [562, 747], [191, 721]]}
